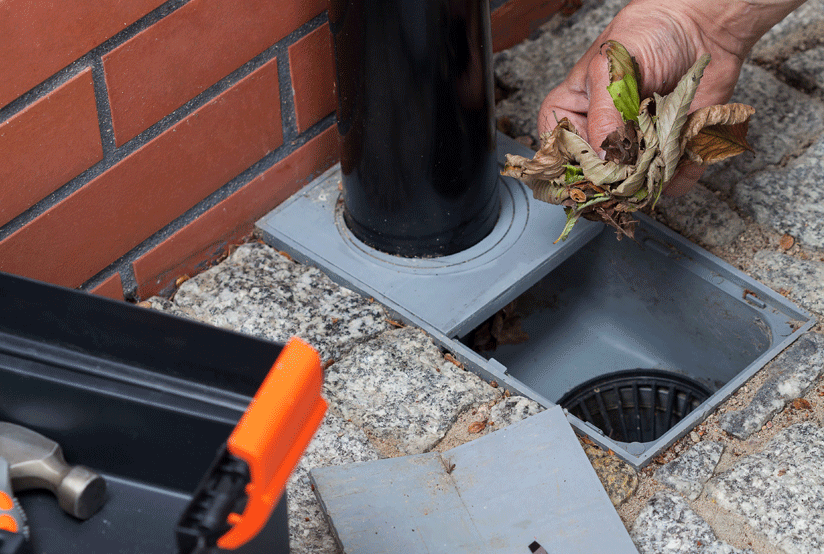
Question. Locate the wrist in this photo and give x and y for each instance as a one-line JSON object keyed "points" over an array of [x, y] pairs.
{"points": [[736, 25]]}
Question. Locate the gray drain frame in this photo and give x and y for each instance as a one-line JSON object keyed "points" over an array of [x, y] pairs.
{"points": [[514, 257]]}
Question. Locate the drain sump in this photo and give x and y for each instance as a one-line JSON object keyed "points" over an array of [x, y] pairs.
{"points": [[636, 405], [658, 302]]}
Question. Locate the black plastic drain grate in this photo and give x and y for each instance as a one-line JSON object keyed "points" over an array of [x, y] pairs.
{"points": [[637, 405]]}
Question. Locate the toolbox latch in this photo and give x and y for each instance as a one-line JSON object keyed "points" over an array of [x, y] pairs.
{"points": [[235, 499]]}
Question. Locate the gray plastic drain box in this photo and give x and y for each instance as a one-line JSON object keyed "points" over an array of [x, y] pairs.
{"points": [[688, 325], [659, 331]]}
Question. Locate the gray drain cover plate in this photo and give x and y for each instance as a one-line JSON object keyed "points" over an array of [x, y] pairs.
{"points": [[528, 482], [453, 294]]}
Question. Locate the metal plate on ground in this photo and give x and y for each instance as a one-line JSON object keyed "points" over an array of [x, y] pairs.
{"points": [[549, 493], [453, 294]]}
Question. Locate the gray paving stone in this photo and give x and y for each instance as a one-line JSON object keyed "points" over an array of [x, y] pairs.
{"points": [[700, 216], [667, 525], [786, 121], [534, 67], [511, 410], [793, 372], [800, 30], [400, 389], [806, 68], [337, 442], [688, 473], [801, 279], [780, 490], [790, 199], [259, 292]]}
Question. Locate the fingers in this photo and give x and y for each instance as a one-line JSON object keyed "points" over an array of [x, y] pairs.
{"points": [[551, 114], [684, 179], [566, 100], [603, 117]]}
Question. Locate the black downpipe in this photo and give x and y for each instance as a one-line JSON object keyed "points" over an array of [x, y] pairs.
{"points": [[416, 121]]}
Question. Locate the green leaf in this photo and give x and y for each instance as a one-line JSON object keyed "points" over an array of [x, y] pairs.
{"points": [[574, 214], [573, 174], [572, 219], [672, 113], [624, 79], [625, 97]]}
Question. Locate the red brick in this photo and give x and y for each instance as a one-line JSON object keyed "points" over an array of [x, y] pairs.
{"points": [[194, 247], [78, 237], [512, 22], [47, 144], [508, 26], [313, 77], [39, 38], [110, 288], [171, 62], [544, 9]]}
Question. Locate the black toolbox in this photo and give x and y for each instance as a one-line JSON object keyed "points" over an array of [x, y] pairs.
{"points": [[143, 398]]}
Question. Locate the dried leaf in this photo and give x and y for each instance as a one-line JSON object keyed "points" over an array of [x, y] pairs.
{"points": [[621, 146], [596, 170], [728, 114], [553, 193], [621, 62], [476, 427], [548, 163], [802, 404], [715, 133], [672, 113], [634, 182], [717, 143], [577, 194]]}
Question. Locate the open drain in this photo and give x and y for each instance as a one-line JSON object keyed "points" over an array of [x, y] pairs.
{"points": [[637, 405]]}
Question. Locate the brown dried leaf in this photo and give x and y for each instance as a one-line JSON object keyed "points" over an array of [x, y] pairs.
{"points": [[549, 191], [672, 111], [802, 404], [621, 145], [715, 133], [786, 242], [548, 162], [621, 62], [596, 170], [476, 427], [577, 194]]}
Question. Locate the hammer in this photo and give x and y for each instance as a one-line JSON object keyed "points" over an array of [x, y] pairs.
{"points": [[36, 462]]}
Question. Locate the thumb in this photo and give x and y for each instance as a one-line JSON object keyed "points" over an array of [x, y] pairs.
{"points": [[603, 117]]}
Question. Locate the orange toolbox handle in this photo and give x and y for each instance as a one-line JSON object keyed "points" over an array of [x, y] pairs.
{"points": [[273, 434]]}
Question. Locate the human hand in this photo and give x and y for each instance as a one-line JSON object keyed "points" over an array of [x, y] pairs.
{"points": [[666, 39]]}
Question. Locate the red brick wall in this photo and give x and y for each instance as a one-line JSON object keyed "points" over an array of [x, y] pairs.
{"points": [[139, 138]]}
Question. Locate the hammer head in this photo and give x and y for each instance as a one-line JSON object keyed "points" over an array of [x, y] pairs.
{"points": [[36, 462]]}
